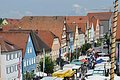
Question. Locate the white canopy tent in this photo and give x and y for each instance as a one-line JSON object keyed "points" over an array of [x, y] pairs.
{"points": [[51, 78], [41, 74]]}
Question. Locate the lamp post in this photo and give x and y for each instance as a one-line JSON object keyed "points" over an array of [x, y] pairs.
{"points": [[114, 39]]}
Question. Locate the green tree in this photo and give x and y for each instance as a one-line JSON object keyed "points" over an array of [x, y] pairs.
{"points": [[49, 65], [28, 75], [1, 20], [107, 40], [85, 47]]}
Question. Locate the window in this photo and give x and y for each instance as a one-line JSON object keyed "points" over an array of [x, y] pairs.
{"points": [[12, 56], [65, 49], [7, 57], [30, 61], [30, 49], [8, 70], [18, 54], [24, 63], [34, 59], [15, 55], [15, 68], [27, 62], [29, 39], [11, 69]]}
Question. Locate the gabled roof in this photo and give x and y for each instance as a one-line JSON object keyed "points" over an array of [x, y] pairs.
{"points": [[54, 24], [98, 16], [17, 38], [76, 19], [72, 27], [118, 29], [81, 21], [12, 21], [82, 27], [38, 43], [80, 31], [47, 37], [7, 46]]}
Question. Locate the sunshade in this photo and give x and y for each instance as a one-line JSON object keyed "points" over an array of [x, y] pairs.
{"points": [[63, 73], [77, 62], [84, 60], [99, 61]]}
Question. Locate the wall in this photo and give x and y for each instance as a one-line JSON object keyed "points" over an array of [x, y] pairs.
{"points": [[105, 25], [29, 61], [8, 63], [55, 49], [64, 42], [81, 39], [76, 42]]}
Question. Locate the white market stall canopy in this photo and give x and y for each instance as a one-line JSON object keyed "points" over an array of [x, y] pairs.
{"points": [[51, 78]]}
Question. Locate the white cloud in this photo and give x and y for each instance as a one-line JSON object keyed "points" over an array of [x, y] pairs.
{"points": [[76, 8], [28, 13]]}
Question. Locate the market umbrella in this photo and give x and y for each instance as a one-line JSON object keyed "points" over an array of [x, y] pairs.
{"points": [[83, 60], [99, 61], [76, 62]]}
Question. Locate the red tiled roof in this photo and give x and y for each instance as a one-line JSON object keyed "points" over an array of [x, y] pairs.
{"points": [[76, 19], [54, 24], [17, 38], [47, 37], [12, 21], [7, 46], [72, 26], [82, 26], [93, 17], [81, 21], [118, 29], [100, 15], [7, 27]]}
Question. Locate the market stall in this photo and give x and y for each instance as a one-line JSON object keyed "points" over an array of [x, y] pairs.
{"points": [[64, 74]]}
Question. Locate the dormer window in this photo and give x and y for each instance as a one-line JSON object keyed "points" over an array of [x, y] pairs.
{"points": [[30, 50]]}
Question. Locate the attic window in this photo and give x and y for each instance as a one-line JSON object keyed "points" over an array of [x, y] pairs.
{"points": [[73, 21], [80, 18], [31, 18]]}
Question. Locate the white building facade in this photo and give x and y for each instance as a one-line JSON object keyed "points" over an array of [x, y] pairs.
{"points": [[11, 66]]}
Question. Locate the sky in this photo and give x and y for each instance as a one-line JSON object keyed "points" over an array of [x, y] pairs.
{"points": [[20, 8]]}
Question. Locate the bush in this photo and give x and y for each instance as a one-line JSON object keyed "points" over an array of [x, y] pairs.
{"points": [[85, 47], [49, 65]]}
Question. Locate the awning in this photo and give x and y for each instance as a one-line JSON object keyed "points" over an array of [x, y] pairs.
{"points": [[63, 73], [40, 74], [84, 60], [77, 63], [99, 61], [51, 78]]}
